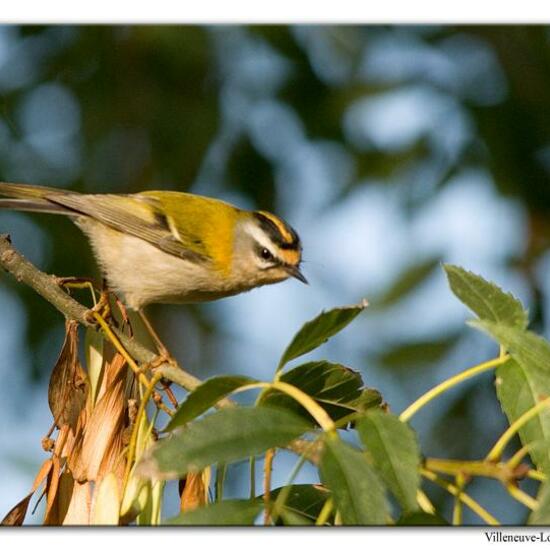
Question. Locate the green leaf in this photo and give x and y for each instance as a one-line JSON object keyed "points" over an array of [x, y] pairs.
{"points": [[518, 392], [319, 330], [418, 353], [303, 504], [358, 493], [206, 396], [486, 299], [395, 452], [336, 388], [409, 280], [541, 516], [224, 436], [225, 512], [522, 382], [421, 518]]}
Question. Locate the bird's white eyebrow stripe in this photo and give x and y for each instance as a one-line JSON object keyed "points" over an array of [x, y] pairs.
{"points": [[261, 238]]}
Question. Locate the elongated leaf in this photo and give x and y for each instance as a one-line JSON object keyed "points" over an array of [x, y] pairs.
{"points": [[395, 452], [541, 516], [357, 491], [421, 353], [206, 396], [336, 388], [16, 516], [224, 436], [421, 518], [94, 348], [319, 330], [486, 299], [226, 512], [303, 504], [408, 281], [107, 502], [522, 382]]}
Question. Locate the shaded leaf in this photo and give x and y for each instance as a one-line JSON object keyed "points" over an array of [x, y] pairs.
{"points": [[206, 396], [225, 512], [396, 454], [319, 330], [541, 516], [338, 389], [421, 518], [303, 503], [358, 493], [408, 281], [224, 436], [419, 353], [485, 299]]}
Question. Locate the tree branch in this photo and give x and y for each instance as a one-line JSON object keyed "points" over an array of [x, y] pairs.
{"points": [[47, 286]]}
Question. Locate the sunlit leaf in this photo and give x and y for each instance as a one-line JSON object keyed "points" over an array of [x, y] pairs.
{"points": [[106, 502], [224, 436], [396, 455], [486, 299], [358, 493], [522, 382], [206, 396], [319, 330], [541, 516], [226, 512]]}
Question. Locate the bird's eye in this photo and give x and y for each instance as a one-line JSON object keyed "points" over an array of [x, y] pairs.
{"points": [[266, 254]]}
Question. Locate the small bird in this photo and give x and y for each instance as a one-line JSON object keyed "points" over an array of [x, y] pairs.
{"points": [[171, 247]]}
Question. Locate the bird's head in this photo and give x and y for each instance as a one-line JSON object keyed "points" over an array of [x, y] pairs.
{"points": [[266, 249]]}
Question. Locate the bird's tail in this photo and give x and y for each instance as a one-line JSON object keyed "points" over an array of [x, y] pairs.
{"points": [[30, 198]]}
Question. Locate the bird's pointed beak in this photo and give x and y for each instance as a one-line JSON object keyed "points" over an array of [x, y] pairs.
{"points": [[295, 272]]}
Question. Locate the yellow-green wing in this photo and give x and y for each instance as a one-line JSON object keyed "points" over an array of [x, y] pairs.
{"points": [[139, 215]]}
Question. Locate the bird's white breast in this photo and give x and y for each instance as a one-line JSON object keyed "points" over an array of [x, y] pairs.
{"points": [[144, 274]]}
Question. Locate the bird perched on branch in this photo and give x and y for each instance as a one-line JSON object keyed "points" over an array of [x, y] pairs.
{"points": [[171, 247]]}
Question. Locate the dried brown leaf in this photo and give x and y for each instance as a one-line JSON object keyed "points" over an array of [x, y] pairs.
{"points": [[59, 507], [100, 448], [68, 387], [80, 505], [17, 514], [195, 490]]}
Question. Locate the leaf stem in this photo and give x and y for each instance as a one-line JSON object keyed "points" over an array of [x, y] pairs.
{"points": [[325, 512], [521, 496], [424, 399], [465, 498], [498, 448], [312, 407], [457, 508], [424, 502], [268, 467], [136, 427]]}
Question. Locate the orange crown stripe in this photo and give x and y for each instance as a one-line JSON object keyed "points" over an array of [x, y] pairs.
{"points": [[281, 226]]}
